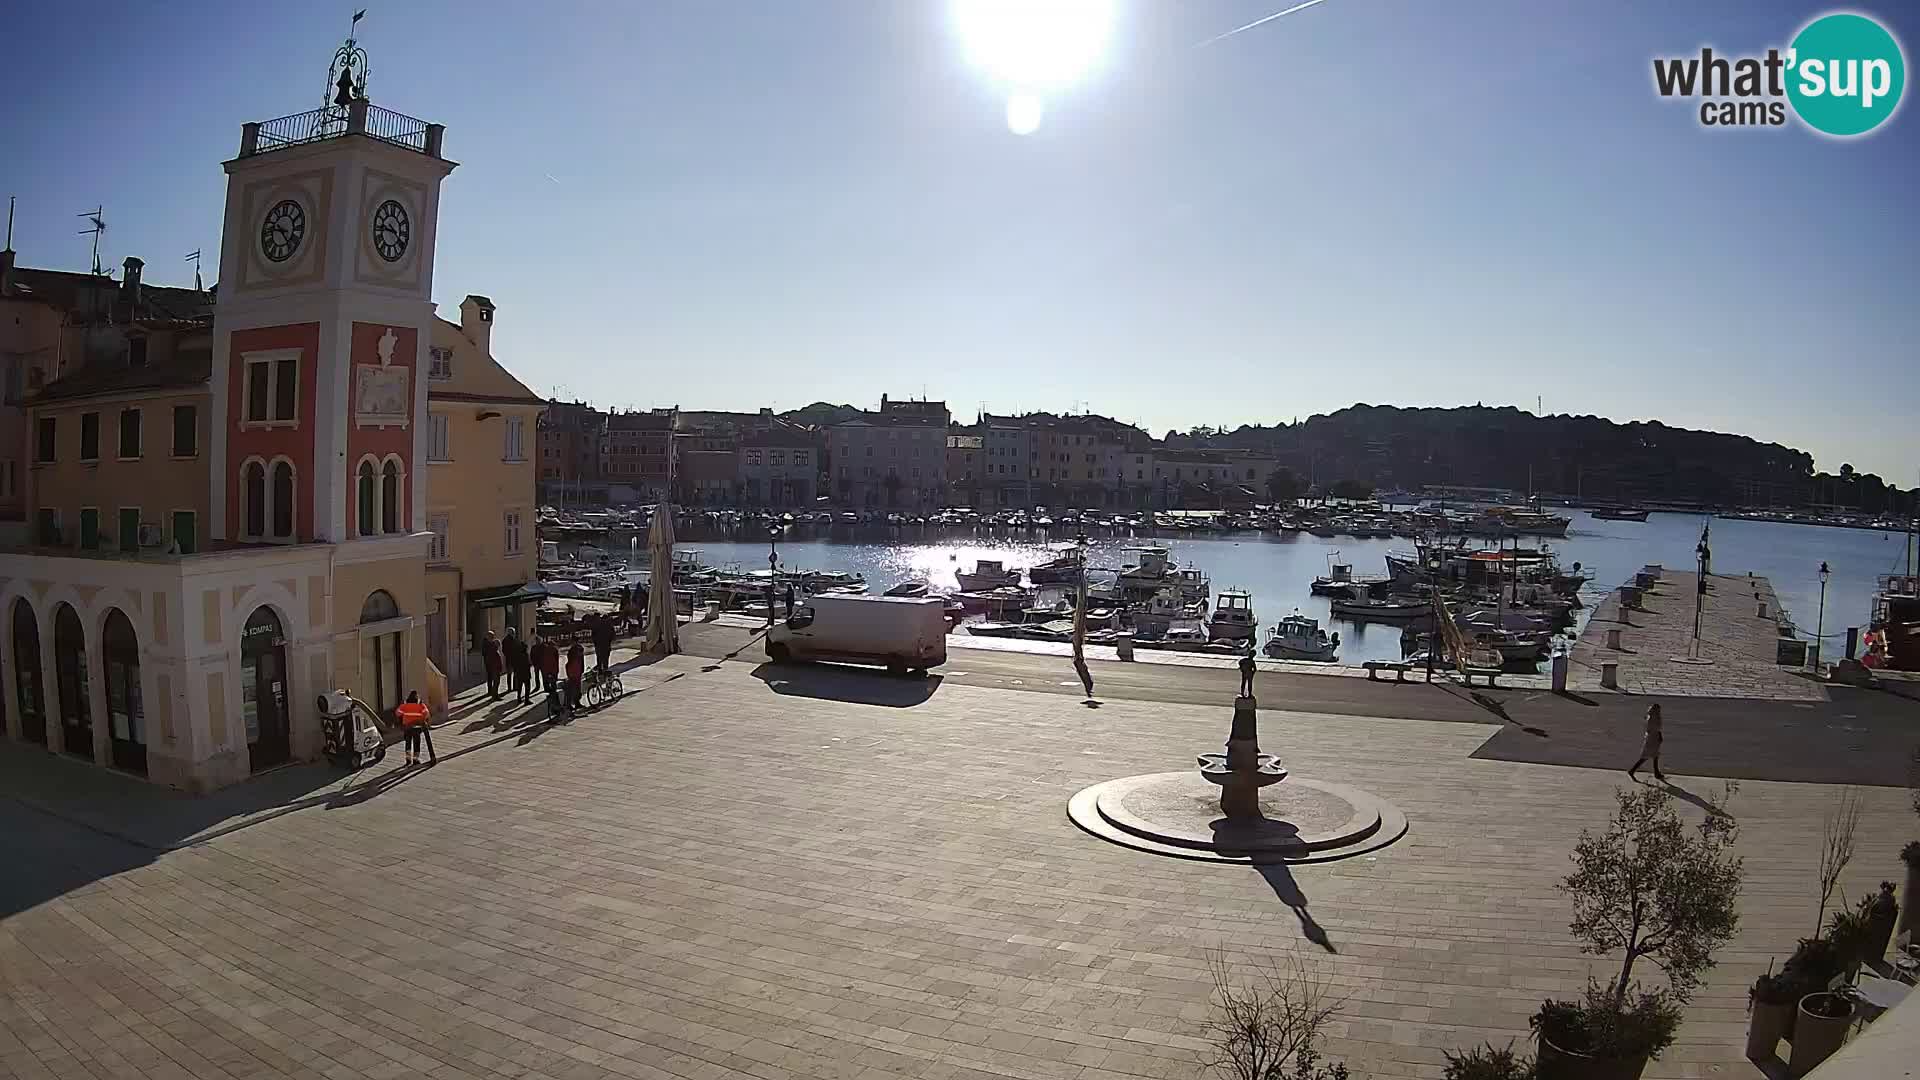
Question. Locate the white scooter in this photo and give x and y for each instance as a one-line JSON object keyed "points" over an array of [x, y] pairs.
{"points": [[352, 735]]}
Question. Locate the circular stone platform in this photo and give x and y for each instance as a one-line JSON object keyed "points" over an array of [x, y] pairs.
{"points": [[1178, 814]]}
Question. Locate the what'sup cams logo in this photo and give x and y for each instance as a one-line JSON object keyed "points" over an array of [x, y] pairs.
{"points": [[1842, 76]]}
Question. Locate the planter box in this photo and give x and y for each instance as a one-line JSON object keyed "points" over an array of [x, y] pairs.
{"points": [[1815, 1038], [1770, 1024], [1557, 1064]]}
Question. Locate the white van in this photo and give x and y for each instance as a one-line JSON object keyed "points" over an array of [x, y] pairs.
{"points": [[905, 633]]}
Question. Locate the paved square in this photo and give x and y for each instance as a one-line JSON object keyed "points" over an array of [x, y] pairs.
{"points": [[736, 873]]}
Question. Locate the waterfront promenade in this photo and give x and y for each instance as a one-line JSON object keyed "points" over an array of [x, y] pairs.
{"points": [[1734, 636], [742, 870]]}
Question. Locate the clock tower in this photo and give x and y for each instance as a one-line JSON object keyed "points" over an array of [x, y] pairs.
{"points": [[323, 319]]}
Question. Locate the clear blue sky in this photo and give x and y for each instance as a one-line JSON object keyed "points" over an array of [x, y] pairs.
{"points": [[723, 205]]}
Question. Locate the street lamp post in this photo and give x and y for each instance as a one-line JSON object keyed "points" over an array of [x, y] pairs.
{"points": [[1820, 623], [773, 566]]}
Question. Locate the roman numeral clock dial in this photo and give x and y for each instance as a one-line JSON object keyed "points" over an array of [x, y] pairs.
{"points": [[391, 230], [280, 234]]}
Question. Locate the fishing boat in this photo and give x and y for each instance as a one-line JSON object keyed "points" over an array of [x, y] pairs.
{"points": [[1145, 576], [1518, 521], [997, 629], [1067, 567], [907, 588], [1621, 513], [1298, 637], [1362, 606], [1002, 602], [1339, 581], [1156, 617], [1232, 618], [987, 574]]}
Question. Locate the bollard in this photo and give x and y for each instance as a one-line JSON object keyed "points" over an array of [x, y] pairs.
{"points": [[1629, 596], [1560, 664], [1653, 568], [1610, 675], [1643, 580], [1853, 641], [1613, 640], [1123, 645]]}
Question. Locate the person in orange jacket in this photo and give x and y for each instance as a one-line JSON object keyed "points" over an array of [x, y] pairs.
{"points": [[414, 721]]}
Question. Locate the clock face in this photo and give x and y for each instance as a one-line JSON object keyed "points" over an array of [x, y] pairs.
{"points": [[391, 230], [282, 231]]}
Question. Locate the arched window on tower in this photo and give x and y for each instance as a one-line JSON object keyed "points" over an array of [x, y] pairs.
{"points": [[283, 500], [253, 496], [369, 499], [390, 497]]}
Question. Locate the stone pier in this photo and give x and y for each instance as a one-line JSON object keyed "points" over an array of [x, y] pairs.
{"points": [[1739, 629]]}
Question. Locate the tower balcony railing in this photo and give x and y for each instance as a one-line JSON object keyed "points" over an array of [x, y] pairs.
{"points": [[334, 122]]}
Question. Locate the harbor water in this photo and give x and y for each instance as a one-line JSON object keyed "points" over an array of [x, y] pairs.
{"points": [[1278, 567]]}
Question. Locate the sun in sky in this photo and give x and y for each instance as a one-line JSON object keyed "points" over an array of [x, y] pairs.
{"points": [[1031, 48]]}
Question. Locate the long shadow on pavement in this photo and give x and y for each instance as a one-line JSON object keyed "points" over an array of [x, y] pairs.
{"points": [[857, 685], [1280, 879]]}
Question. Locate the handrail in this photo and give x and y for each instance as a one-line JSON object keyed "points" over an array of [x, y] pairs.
{"points": [[333, 122]]}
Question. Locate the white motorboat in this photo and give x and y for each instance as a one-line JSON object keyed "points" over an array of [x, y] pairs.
{"points": [[987, 574], [1156, 618], [1232, 618], [1298, 637]]}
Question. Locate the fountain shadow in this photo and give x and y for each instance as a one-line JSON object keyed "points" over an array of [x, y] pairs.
{"points": [[862, 686]]}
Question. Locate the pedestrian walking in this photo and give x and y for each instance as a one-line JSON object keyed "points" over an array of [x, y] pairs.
{"points": [[576, 673], [1650, 747], [490, 659], [602, 641], [1247, 668], [519, 663], [547, 659], [415, 723]]}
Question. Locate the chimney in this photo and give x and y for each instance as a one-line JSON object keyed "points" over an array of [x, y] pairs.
{"points": [[130, 283], [476, 322], [6, 270]]}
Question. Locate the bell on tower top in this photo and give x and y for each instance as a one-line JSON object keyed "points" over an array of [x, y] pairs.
{"points": [[347, 75]]}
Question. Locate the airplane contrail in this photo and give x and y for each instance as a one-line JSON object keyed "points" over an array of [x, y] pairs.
{"points": [[1259, 22]]}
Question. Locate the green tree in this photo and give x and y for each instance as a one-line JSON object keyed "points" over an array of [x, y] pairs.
{"points": [[1283, 485], [1649, 887], [1350, 489]]}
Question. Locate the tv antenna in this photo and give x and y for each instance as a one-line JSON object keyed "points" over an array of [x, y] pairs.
{"points": [[99, 225], [194, 258]]}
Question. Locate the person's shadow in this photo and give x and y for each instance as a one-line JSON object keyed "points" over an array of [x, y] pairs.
{"points": [[1280, 879], [1700, 801]]}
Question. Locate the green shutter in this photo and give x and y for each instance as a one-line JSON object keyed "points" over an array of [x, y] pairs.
{"points": [[130, 529], [184, 531], [89, 529]]}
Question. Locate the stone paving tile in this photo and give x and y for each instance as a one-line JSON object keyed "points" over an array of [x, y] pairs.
{"points": [[724, 877], [1738, 641]]}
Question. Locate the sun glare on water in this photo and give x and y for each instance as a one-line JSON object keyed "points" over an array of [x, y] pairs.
{"points": [[1031, 47]]}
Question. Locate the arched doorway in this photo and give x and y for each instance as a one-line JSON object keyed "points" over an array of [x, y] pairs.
{"points": [[70, 679], [263, 690], [126, 716], [380, 654], [30, 700]]}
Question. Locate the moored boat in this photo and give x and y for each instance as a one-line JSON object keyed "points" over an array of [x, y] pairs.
{"points": [[1298, 637], [987, 574], [1620, 513], [1232, 618]]}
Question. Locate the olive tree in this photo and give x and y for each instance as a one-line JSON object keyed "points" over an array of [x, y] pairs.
{"points": [[1649, 887]]}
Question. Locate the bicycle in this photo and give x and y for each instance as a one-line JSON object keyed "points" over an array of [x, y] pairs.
{"points": [[601, 686]]}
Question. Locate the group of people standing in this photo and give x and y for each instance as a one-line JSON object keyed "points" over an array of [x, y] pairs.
{"points": [[517, 660]]}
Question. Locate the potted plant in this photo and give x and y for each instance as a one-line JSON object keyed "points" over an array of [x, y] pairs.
{"points": [[1487, 1063], [1645, 887], [1819, 1029], [1911, 856], [1850, 930], [1604, 1037], [1883, 912], [1770, 1007]]}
